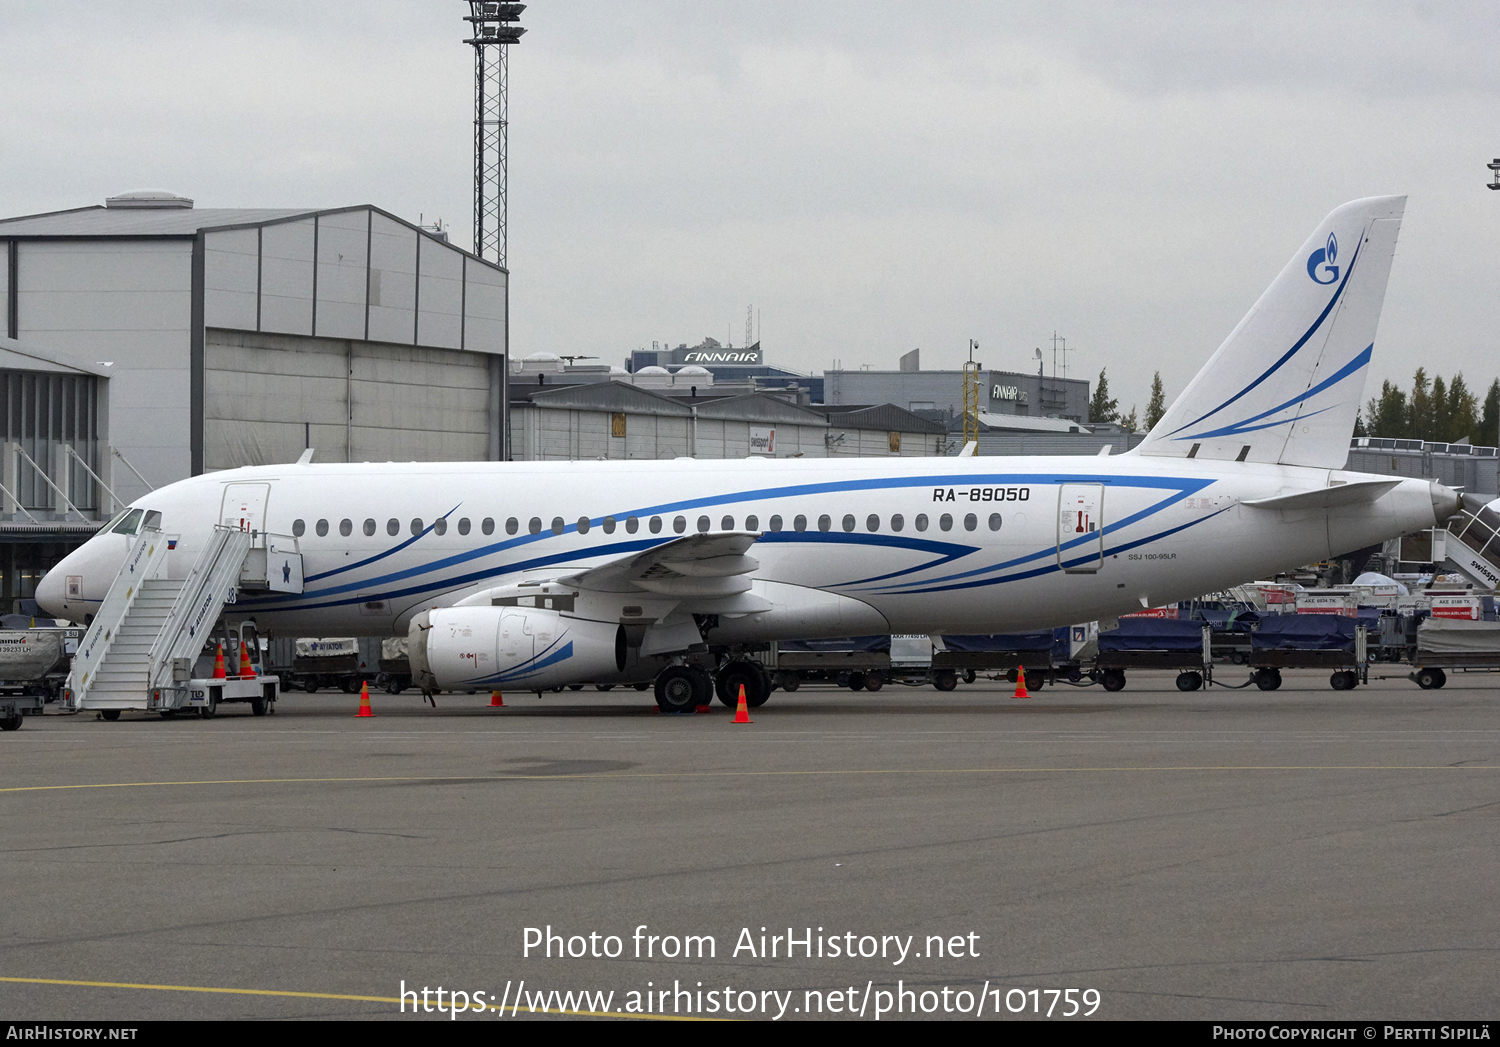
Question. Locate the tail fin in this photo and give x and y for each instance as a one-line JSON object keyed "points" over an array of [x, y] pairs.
{"points": [[1286, 384]]}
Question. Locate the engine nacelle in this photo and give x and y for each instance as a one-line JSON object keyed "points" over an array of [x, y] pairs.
{"points": [[520, 648]]}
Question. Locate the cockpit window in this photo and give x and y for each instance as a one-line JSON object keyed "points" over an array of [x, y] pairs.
{"points": [[153, 520], [130, 524]]}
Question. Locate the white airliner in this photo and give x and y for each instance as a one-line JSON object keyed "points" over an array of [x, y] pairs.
{"points": [[531, 575]]}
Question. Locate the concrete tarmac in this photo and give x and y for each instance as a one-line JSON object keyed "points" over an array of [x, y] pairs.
{"points": [[1230, 854]]}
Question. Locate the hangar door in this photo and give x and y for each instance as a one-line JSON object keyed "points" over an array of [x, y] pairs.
{"points": [[269, 396]]}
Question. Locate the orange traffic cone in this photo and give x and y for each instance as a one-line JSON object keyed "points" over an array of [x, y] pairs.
{"points": [[496, 701], [246, 669], [219, 663], [1021, 683], [364, 700], [742, 714]]}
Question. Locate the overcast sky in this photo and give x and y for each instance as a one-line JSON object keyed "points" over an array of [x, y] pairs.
{"points": [[872, 177]]}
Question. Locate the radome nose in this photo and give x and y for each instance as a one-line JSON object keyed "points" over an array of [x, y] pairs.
{"points": [[51, 594]]}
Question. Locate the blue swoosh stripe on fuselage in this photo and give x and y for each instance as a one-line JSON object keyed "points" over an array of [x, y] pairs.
{"points": [[1187, 489], [369, 588], [1052, 568]]}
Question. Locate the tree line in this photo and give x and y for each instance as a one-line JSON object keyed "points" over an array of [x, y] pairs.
{"points": [[1435, 410]]}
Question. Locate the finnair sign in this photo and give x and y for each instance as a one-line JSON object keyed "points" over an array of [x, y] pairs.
{"points": [[722, 356]]}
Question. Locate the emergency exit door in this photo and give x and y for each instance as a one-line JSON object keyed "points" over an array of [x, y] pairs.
{"points": [[1080, 528]]}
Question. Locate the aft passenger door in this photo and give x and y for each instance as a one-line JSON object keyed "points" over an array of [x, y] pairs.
{"points": [[1080, 528]]}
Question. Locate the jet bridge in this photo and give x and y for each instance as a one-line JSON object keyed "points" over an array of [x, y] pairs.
{"points": [[139, 650]]}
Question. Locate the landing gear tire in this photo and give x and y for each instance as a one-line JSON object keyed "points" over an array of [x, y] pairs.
{"points": [[110, 714], [945, 679], [1267, 679], [756, 683], [1189, 681], [677, 689], [683, 688], [11, 723], [1113, 680]]}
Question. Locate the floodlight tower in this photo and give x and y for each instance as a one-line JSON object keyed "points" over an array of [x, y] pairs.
{"points": [[494, 32]]}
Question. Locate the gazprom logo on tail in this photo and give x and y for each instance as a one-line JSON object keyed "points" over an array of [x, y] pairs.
{"points": [[1321, 261]]}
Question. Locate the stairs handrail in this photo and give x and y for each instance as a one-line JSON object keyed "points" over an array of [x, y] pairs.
{"points": [[207, 587], [144, 559]]}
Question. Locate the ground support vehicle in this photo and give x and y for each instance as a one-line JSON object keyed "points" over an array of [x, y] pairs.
{"points": [[1156, 643], [344, 662], [1444, 645], [1231, 632], [395, 669], [204, 695], [852, 661], [1045, 655], [34, 666], [1310, 641]]}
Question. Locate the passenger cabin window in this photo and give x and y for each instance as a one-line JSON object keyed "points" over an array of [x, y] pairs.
{"points": [[775, 524], [655, 525], [825, 522], [946, 521], [299, 527], [322, 528], [897, 522], [705, 525], [970, 522], [632, 525], [583, 525], [679, 524], [369, 528], [535, 526], [440, 526], [726, 524], [346, 527], [920, 523], [416, 526], [994, 521], [849, 523], [800, 523], [512, 525], [463, 525], [557, 525], [609, 525], [872, 523], [487, 525], [393, 527], [752, 523]]}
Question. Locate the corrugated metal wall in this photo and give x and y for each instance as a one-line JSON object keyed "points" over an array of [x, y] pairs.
{"points": [[267, 396]]}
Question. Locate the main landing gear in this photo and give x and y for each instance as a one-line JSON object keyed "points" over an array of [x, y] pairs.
{"points": [[682, 688]]}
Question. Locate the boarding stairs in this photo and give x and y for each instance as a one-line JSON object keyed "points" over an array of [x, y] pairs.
{"points": [[138, 652], [1474, 548]]}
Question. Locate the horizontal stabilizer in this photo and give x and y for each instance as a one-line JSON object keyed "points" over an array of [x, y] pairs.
{"points": [[1360, 492]]}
